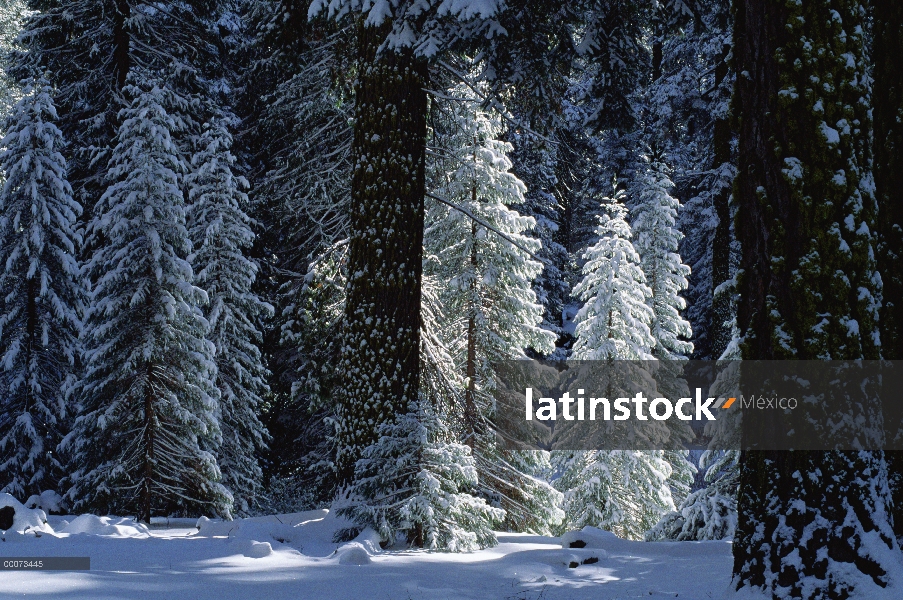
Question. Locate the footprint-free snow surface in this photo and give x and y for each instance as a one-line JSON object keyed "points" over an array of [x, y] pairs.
{"points": [[292, 556]]}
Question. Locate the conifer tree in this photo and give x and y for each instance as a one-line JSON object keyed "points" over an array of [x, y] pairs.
{"points": [[417, 481], [221, 235], [143, 442], [625, 491], [657, 241], [42, 295], [613, 323], [491, 312]]}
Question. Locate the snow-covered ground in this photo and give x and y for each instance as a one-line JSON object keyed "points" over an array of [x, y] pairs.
{"points": [[292, 556]]}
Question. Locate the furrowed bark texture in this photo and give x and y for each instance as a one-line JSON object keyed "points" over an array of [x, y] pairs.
{"points": [[380, 356], [811, 524]]}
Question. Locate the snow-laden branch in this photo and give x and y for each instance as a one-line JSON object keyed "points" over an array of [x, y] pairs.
{"points": [[476, 219]]}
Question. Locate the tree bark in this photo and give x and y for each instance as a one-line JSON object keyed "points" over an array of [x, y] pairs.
{"points": [[810, 524], [380, 356], [145, 502], [121, 53], [721, 242], [887, 102], [470, 400]]}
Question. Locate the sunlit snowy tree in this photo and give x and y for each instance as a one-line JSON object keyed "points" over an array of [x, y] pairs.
{"points": [[490, 310]]}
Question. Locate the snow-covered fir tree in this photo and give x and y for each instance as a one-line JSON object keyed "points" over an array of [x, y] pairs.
{"points": [[490, 310], [657, 241], [625, 491], [221, 235], [418, 482], [145, 438], [613, 323], [42, 295]]}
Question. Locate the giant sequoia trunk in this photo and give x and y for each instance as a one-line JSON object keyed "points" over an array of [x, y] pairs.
{"points": [[888, 143], [380, 356], [811, 524]]}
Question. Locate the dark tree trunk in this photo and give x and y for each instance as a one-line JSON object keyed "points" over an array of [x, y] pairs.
{"points": [[721, 242], [145, 500], [811, 524], [657, 57], [470, 400], [121, 53], [888, 144], [380, 357], [887, 102]]}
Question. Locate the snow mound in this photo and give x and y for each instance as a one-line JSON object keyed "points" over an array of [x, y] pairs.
{"points": [[353, 553], [310, 532], [107, 526], [359, 551], [370, 541], [256, 528], [49, 501], [588, 537], [15, 517], [259, 550]]}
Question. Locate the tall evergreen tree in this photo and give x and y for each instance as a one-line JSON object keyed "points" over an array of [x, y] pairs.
{"points": [[657, 241], [42, 296], [686, 124], [143, 442], [380, 352], [809, 289], [625, 491], [491, 312], [613, 324], [221, 234]]}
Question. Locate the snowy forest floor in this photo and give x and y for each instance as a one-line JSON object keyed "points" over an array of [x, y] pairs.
{"points": [[232, 560]]}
